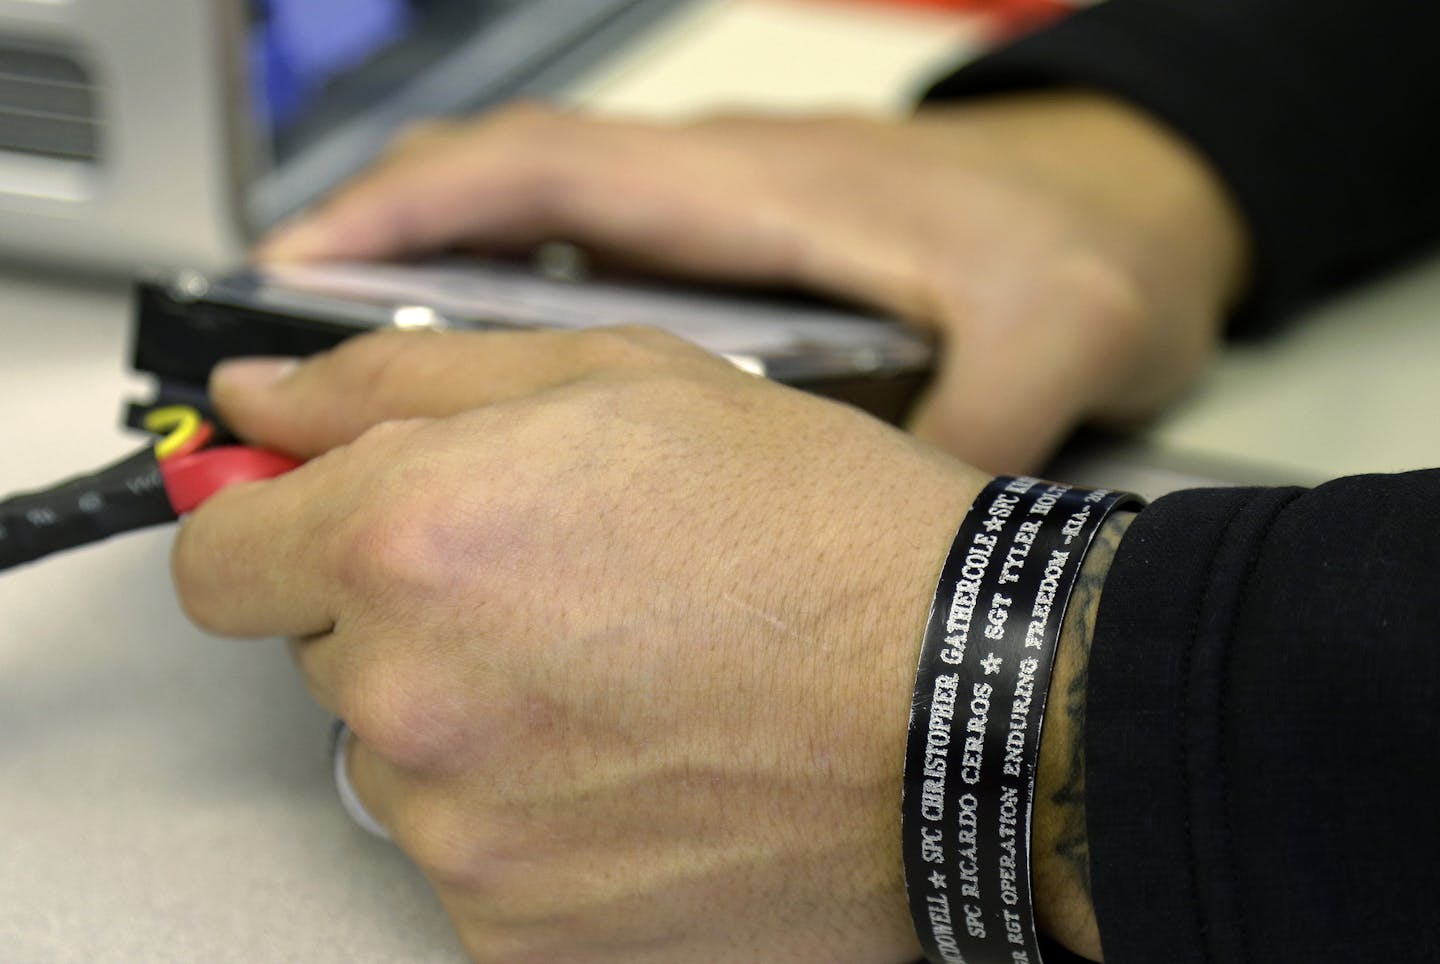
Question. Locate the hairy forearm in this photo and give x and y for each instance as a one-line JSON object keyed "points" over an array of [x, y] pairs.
{"points": [[1060, 854]]}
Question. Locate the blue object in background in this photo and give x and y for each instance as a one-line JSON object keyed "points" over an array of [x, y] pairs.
{"points": [[297, 46]]}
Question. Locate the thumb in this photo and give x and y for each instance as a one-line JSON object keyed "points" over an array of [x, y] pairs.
{"points": [[1006, 394], [1022, 366], [997, 417], [304, 407], [437, 185], [271, 402]]}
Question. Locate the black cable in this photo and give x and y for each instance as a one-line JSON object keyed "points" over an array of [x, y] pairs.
{"points": [[120, 498]]}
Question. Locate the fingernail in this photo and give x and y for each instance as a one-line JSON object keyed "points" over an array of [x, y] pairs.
{"points": [[251, 374]]}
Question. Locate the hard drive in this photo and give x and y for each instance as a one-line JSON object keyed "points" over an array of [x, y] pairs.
{"points": [[187, 324]]}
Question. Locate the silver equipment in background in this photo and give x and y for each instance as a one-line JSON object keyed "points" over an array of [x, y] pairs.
{"points": [[145, 135]]}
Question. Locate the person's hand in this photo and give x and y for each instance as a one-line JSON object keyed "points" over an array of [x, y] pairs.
{"points": [[1073, 257], [626, 636]]}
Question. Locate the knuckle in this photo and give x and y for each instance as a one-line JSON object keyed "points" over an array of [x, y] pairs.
{"points": [[608, 345], [383, 438], [383, 369], [402, 544], [1100, 291], [536, 149], [363, 550], [467, 847], [634, 346], [405, 715], [654, 339], [444, 842]]}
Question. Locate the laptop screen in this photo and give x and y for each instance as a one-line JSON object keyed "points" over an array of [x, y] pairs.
{"points": [[331, 81]]}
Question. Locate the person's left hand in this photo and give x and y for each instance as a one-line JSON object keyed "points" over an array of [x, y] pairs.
{"points": [[626, 636], [1073, 257]]}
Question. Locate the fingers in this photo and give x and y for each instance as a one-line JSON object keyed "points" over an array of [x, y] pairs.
{"points": [[247, 564], [283, 557], [434, 187], [999, 412], [306, 408], [660, 197]]}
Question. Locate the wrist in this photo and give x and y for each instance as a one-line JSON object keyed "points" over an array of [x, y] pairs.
{"points": [[973, 801], [1060, 852]]}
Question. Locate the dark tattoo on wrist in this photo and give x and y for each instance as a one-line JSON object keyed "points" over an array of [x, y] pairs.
{"points": [[1073, 843]]}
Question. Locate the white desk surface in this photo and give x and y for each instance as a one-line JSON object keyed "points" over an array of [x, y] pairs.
{"points": [[165, 796]]}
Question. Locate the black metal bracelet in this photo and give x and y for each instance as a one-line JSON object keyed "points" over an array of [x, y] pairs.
{"points": [[977, 714]]}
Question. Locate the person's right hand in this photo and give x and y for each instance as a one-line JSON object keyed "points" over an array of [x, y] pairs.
{"points": [[626, 637], [1073, 257]]}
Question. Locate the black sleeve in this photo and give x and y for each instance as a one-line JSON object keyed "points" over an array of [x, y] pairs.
{"points": [[1263, 727], [1320, 115]]}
